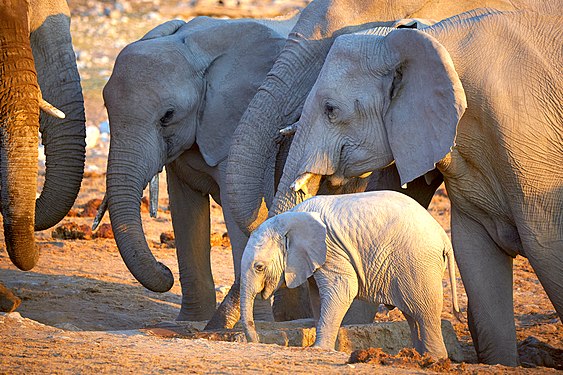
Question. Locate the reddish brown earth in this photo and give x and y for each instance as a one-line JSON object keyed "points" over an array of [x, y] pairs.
{"points": [[80, 293]]}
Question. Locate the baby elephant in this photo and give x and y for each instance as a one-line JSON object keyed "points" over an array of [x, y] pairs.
{"points": [[380, 247]]}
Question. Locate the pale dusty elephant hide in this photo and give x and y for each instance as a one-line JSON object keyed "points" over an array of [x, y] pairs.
{"points": [[380, 247]]}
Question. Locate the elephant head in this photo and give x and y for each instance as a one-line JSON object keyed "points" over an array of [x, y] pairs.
{"points": [[279, 100], [372, 105], [287, 248], [43, 59], [183, 86]]}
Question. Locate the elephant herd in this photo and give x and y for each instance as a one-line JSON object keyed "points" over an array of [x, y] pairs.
{"points": [[263, 114]]}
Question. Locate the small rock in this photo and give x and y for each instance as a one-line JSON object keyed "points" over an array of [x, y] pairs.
{"points": [[92, 135], [220, 240], [167, 238], [8, 300], [104, 231], [104, 127], [72, 231], [90, 209]]}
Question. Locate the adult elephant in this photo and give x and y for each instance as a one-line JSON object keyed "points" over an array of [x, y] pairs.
{"points": [[174, 99], [479, 96], [280, 98], [37, 57]]}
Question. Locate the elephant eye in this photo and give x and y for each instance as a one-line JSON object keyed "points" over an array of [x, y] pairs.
{"points": [[331, 111], [259, 267], [167, 117]]}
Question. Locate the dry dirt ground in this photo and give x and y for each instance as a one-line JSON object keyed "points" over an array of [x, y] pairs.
{"points": [[82, 309]]}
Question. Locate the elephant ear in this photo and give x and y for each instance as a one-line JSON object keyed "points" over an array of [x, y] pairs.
{"points": [[305, 243], [165, 29], [427, 102], [232, 79]]}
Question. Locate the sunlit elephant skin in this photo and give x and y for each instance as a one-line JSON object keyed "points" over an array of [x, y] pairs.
{"points": [[279, 100], [37, 53], [174, 99], [381, 247], [479, 96]]}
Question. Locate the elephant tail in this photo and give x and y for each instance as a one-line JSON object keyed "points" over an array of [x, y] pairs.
{"points": [[451, 271]]}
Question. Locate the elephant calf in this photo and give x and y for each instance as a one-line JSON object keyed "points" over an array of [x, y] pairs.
{"points": [[380, 247]]}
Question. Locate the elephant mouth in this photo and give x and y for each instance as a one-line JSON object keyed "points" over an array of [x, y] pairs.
{"points": [[310, 183]]}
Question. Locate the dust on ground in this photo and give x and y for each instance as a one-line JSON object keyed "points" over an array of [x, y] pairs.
{"points": [[82, 309]]}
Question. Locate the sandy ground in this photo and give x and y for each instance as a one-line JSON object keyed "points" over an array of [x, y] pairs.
{"points": [[82, 309]]}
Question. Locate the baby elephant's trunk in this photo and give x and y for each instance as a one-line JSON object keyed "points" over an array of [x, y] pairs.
{"points": [[451, 271], [246, 313]]}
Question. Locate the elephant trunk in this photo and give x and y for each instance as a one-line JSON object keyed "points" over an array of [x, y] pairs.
{"points": [[126, 180], [19, 123], [271, 109], [279, 100], [64, 140], [246, 311], [295, 186]]}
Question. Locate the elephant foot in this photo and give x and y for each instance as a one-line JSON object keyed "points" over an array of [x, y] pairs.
{"points": [[228, 313], [292, 304], [8, 300]]}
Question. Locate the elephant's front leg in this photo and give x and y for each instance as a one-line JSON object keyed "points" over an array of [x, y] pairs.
{"points": [[486, 272], [337, 290], [228, 312], [190, 219]]}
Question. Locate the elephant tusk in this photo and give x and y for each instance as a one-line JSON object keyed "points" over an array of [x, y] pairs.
{"points": [[366, 175], [50, 109], [101, 211], [301, 181], [153, 196], [289, 130]]}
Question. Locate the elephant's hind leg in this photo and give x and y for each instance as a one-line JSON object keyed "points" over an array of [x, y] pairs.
{"points": [[415, 333], [486, 272], [431, 336]]}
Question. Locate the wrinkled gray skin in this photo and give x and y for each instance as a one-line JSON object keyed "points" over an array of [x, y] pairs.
{"points": [[37, 60], [174, 99], [479, 96], [381, 247], [279, 100]]}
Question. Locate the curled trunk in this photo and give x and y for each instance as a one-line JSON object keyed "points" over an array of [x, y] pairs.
{"points": [[279, 100], [64, 140], [126, 180], [19, 122], [246, 311]]}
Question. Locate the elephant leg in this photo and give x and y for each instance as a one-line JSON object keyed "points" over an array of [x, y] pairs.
{"points": [[190, 219], [545, 257], [361, 312], [415, 333], [8, 300], [315, 298], [292, 304], [228, 312], [431, 335], [486, 272], [337, 291]]}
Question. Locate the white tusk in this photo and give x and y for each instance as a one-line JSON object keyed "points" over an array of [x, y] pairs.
{"points": [[101, 211], [301, 181], [366, 175], [50, 109], [153, 196], [404, 186], [289, 130]]}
